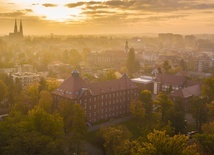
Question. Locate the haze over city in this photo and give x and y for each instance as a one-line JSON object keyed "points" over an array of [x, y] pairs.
{"points": [[108, 16]]}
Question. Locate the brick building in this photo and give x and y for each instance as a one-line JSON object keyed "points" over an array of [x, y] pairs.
{"points": [[101, 100]]}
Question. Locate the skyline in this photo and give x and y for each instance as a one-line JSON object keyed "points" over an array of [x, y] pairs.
{"points": [[43, 17]]}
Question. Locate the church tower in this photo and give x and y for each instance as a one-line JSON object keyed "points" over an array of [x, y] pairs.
{"points": [[126, 47], [15, 27], [21, 28], [17, 34]]}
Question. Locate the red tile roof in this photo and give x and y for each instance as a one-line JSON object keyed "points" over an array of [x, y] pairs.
{"points": [[187, 92], [73, 86], [170, 79]]}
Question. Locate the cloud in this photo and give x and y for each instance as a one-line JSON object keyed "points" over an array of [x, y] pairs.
{"points": [[49, 5], [28, 10], [73, 5], [12, 14]]}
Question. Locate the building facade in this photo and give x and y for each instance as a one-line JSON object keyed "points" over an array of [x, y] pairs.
{"points": [[101, 100], [26, 78]]}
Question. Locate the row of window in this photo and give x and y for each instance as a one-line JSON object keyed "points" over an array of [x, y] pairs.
{"points": [[109, 96], [116, 113], [111, 108]]}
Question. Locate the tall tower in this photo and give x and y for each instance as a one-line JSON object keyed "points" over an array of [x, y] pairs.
{"points": [[21, 28], [126, 47], [15, 27]]}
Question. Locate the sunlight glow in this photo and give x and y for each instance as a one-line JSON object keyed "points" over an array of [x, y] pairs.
{"points": [[59, 13]]}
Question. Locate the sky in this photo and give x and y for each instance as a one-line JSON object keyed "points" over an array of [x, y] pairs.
{"points": [[72, 17]]}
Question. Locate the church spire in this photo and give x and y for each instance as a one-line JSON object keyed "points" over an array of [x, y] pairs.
{"points": [[15, 27], [21, 28], [126, 47]]}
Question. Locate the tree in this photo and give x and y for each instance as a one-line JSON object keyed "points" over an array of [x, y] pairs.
{"points": [[3, 91], [35, 133], [206, 142], [210, 112], [52, 84], [165, 103], [208, 128], [42, 85], [166, 66], [137, 109], [183, 65], [199, 111], [109, 75], [114, 139], [146, 98], [132, 64], [159, 143], [208, 89], [74, 124], [177, 117], [79, 127], [46, 101], [33, 93]]}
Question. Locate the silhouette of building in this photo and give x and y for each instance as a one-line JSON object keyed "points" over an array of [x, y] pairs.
{"points": [[100, 100], [16, 33], [126, 47]]}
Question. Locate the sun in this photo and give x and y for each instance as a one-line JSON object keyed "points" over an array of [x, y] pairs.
{"points": [[58, 13]]}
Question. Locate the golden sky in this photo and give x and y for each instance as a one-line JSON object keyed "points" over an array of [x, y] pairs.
{"points": [[108, 16]]}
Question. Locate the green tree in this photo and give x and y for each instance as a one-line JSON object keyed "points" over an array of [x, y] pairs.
{"points": [[166, 66], [35, 133], [3, 91], [33, 93], [199, 111], [42, 85], [208, 88], [46, 101], [109, 75], [206, 142], [114, 139], [74, 124], [132, 64], [137, 109], [177, 117], [208, 128], [165, 104], [210, 112], [79, 128], [52, 84], [146, 98]]}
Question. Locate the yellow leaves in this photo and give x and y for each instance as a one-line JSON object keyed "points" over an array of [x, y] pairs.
{"points": [[208, 128], [52, 84]]}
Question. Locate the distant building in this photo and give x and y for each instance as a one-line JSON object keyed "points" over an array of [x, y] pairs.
{"points": [[144, 83], [16, 33], [107, 59], [101, 100], [26, 78]]}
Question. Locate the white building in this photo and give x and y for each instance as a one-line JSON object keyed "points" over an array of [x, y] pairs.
{"points": [[26, 78]]}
